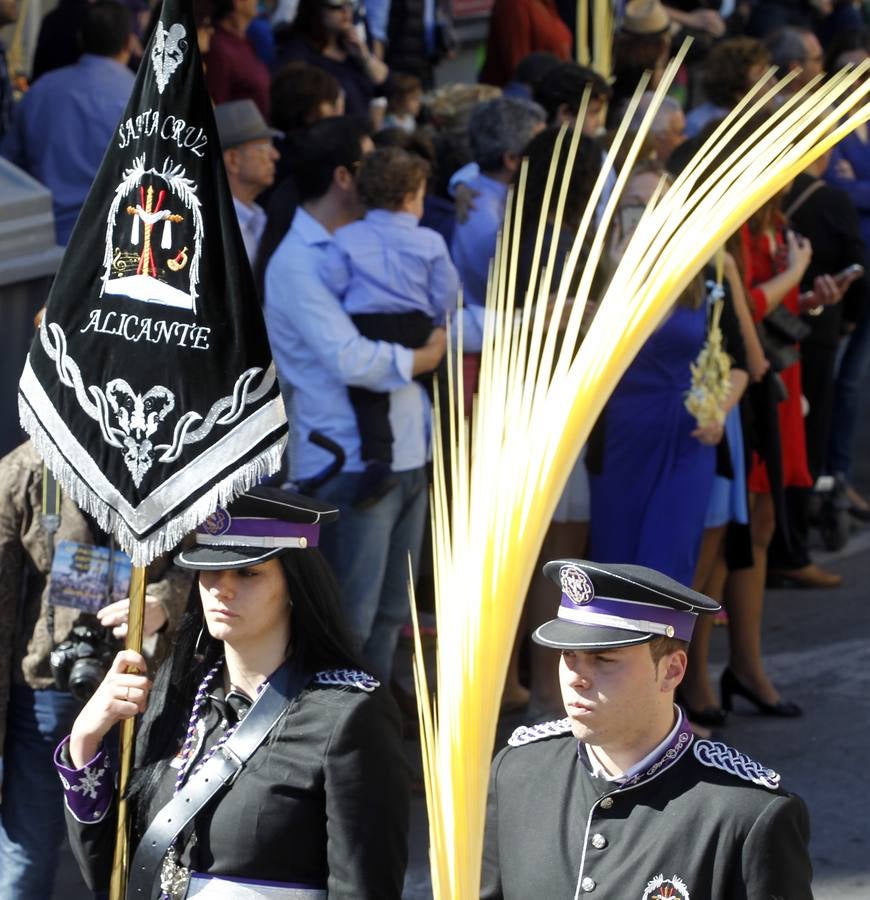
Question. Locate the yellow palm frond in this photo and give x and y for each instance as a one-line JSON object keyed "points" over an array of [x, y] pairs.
{"points": [[539, 395]]}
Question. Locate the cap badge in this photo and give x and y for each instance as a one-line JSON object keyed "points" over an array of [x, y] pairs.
{"points": [[218, 522], [576, 585], [661, 888]]}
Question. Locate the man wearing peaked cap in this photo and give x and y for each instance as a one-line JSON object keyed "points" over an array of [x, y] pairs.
{"points": [[617, 606], [626, 801]]}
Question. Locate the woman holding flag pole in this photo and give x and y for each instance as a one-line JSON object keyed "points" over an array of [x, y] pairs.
{"points": [[266, 764]]}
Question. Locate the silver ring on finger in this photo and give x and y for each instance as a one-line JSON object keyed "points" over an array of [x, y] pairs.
{"points": [[127, 697]]}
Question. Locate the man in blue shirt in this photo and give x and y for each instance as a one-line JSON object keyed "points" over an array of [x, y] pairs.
{"points": [[396, 282], [499, 131], [64, 123], [319, 353]]}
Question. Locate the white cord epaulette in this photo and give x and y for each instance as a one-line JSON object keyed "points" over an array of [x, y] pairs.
{"points": [[720, 756], [526, 734], [347, 678]]}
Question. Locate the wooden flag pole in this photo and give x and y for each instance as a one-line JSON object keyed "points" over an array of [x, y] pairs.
{"points": [[581, 40], [121, 860]]}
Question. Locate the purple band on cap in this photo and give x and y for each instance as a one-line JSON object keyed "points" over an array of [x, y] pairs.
{"points": [[266, 528], [272, 528], [608, 612]]}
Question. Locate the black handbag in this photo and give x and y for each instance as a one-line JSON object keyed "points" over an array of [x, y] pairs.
{"points": [[786, 326], [780, 332]]}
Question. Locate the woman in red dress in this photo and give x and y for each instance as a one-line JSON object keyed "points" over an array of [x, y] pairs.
{"points": [[518, 28], [773, 263]]}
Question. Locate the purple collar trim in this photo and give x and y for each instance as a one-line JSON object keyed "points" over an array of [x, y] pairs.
{"points": [[666, 757], [608, 612]]}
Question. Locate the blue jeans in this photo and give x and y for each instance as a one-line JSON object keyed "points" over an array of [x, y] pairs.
{"points": [[32, 823], [847, 394], [368, 550]]}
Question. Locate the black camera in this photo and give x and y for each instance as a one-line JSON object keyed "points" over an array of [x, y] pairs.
{"points": [[80, 662]]}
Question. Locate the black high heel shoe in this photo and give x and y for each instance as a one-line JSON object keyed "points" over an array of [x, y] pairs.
{"points": [[731, 685], [708, 717]]}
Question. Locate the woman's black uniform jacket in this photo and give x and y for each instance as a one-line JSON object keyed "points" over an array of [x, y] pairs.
{"points": [[703, 822], [323, 802]]}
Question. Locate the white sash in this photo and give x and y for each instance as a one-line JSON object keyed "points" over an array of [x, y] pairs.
{"points": [[206, 887]]}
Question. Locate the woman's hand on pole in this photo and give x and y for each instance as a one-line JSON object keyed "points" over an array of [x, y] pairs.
{"points": [[116, 615], [121, 695]]}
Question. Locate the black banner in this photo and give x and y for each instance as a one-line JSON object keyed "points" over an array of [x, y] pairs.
{"points": [[150, 389]]}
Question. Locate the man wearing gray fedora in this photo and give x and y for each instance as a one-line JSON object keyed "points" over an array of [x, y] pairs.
{"points": [[249, 158]]}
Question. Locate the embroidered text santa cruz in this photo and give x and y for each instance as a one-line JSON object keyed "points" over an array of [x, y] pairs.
{"points": [[172, 128]]}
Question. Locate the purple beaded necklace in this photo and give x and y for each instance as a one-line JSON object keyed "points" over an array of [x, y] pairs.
{"points": [[171, 865]]}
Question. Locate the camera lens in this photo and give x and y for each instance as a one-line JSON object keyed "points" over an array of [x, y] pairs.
{"points": [[85, 677]]}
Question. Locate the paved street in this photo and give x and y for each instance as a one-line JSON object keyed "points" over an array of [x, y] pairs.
{"points": [[817, 647]]}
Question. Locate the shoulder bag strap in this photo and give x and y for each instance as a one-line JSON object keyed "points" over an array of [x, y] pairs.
{"points": [[220, 771], [50, 521], [802, 198]]}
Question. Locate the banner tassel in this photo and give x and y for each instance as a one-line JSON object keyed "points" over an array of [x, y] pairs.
{"points": [[142, 552]]}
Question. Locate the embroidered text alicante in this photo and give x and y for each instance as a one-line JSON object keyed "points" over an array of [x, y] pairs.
{"points": [[143, 328]]}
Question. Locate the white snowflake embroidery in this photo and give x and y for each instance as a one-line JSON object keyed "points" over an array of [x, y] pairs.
{"points": [[89, 782]]}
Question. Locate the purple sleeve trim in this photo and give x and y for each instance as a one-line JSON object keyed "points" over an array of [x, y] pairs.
{"points": [[87, 791]]}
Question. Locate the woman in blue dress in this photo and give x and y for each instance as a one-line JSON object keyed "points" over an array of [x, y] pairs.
{"points": [[651, 468]]}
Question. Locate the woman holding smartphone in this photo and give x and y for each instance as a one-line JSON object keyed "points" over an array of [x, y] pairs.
{"points": [[324, 35]]}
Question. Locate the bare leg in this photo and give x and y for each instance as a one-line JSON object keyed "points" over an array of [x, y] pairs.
{"points": [[564, 540], [515, 695], [696, 690], [744, 596]]}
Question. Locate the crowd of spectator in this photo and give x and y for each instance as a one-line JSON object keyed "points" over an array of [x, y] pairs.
{"points": [[367, 198]]}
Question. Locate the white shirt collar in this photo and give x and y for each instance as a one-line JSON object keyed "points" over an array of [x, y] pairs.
{"points": [[598, 771]]}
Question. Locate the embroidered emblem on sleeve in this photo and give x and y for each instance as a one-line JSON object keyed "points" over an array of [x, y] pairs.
{"points": [[720, 756], [526, 734], [89, 781], [354, 678], [661, 888]]}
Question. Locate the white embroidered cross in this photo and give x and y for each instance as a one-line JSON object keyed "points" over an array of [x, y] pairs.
{"points": [[89, 782]]}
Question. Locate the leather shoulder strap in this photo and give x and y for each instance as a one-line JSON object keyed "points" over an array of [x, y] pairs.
{"points": [[802, 198], [220, 771]]}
